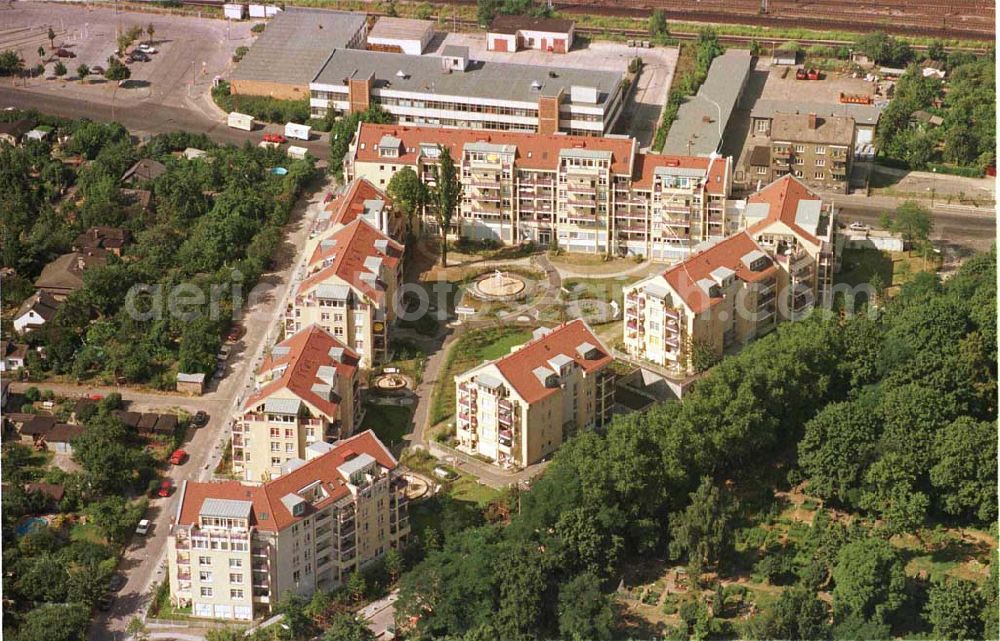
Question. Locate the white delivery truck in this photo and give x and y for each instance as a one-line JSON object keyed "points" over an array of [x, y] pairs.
{"points": [[241, 121], [300, 132], [298, 153]]}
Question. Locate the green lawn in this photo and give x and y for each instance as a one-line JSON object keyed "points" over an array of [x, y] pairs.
{"points": [[894, 268], [389, 422], [86, 532], [473, 348], [606, 289]]}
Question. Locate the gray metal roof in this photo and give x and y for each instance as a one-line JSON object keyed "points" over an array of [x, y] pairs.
{"points": [[751, 257], [335, 292], [489, 381], [702, 119], [656, 289], [722, 273], [483, 80], [226, 508], [542, 374], [455, 51], [349, 468], [558, 361], [296, 43], [683, 172], [807, 214], [594, 154], [282, 405], [757, 210], [862, 114], [584, 348]]}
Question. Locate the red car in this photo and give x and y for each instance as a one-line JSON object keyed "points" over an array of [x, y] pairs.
{"points": [[276, 138], [96, 397], [178, 457], [166, 488]]}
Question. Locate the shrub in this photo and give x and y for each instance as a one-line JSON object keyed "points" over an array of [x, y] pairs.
{"points": [[258, 28], [239, 53]]}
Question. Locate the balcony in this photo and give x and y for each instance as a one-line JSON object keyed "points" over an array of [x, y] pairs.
{"points": [[183, 576], [672, 314]]}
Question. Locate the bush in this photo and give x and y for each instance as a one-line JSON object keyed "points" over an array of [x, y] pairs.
{"points": [[239, 53], [258, 28], [262, 108]]}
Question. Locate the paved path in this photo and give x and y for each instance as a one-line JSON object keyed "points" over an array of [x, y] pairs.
{"points": [[144, 560]]}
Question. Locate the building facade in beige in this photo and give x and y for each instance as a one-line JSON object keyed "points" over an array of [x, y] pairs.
{"points": [[583, 193], [307, 391], [818, 150], [776, 269], [520, 408], [234, 549], [351, 289]]}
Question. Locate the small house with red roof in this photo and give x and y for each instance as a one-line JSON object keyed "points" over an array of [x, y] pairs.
{"points": [[520, 408], [235, 548], [306, 392]]}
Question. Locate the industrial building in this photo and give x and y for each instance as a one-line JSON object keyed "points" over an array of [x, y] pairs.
{"points": [[293, 48], [454, 90], [401, 35], [702, 119], [513, 33]]}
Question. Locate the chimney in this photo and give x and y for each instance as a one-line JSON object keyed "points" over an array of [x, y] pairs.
{"points": [[812, 121]]}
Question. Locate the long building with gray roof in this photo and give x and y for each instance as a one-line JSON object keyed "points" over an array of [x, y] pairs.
{"points": [[293, 48], [702, 119], [456, 91]]}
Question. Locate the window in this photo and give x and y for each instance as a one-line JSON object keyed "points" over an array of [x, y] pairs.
{"points": [[761, 170], [236, 594], [819, 175], [275, 446], [275, 460], [206, 592], [235, 563], [821, 162], [275, 432], [205, 577], [204, 560], [289, 447], [760, 125], [800, 149], [296, 576], [236, 577], [289, 433], [820, 149], [310, 432]]}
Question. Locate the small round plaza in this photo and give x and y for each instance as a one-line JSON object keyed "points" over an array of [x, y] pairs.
{"points": [[499, 286]]}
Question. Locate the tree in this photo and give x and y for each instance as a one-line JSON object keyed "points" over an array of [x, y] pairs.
{"points": [[55, 622], [935, 50], [10, 63], [444, 195], [347, 627], [838, 445], [585, 612], [150, 30], [954, 607], [704, 530], [296, 625], [115, 517], [884, 49], [868, 581], [965, 470], [82, 72], [59, 69], [797, 615], [991, 612], [356, 585], [393, 564], [409, 193], [41, 52], [658, 23], [911, 220], [117, 70], [486, 11], [52, 38]]}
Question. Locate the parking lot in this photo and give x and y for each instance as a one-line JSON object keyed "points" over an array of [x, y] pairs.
{"points": [[191, 51], [640, 117]]}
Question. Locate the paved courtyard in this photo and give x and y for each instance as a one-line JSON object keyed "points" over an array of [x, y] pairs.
{"points": [[190, 50], [642, 113]]}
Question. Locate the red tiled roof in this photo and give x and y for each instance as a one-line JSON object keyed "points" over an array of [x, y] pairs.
{"points": [[534, 151], [308, 350], [351, 204], [782, 197], [347, 249], [519, 366], [268, 511], [684, 276], [645, 164]]}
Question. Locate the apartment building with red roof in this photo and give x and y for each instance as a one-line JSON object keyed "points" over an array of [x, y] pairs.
{"points": [[585, 193], [307, 391], [362, 199], [351, 288], [521, 407], [235, 548], [729, 292]]}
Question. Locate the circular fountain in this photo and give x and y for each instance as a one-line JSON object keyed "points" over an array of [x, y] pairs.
{"points": [[499, 286]]}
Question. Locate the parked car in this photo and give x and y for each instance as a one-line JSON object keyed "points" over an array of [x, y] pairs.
{"points": [[128, 60], [275, 138], [118, 582], [858, 226], [97, 70], [200, 419], [145, 48], [139, 56], [96, 397], [236, 332], [65, 53], [143, 528], [166, 487], [178, 457]]}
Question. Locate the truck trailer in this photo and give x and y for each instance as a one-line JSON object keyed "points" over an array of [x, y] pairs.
{"points": [[299, 132], [241, 121]]}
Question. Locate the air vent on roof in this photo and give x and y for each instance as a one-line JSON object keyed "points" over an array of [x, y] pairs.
{"points": [[402, 74], [553, 74], [536, 85]]}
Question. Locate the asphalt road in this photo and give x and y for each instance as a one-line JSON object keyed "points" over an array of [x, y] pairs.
{"points": [[149, 117], [962, 230]]}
